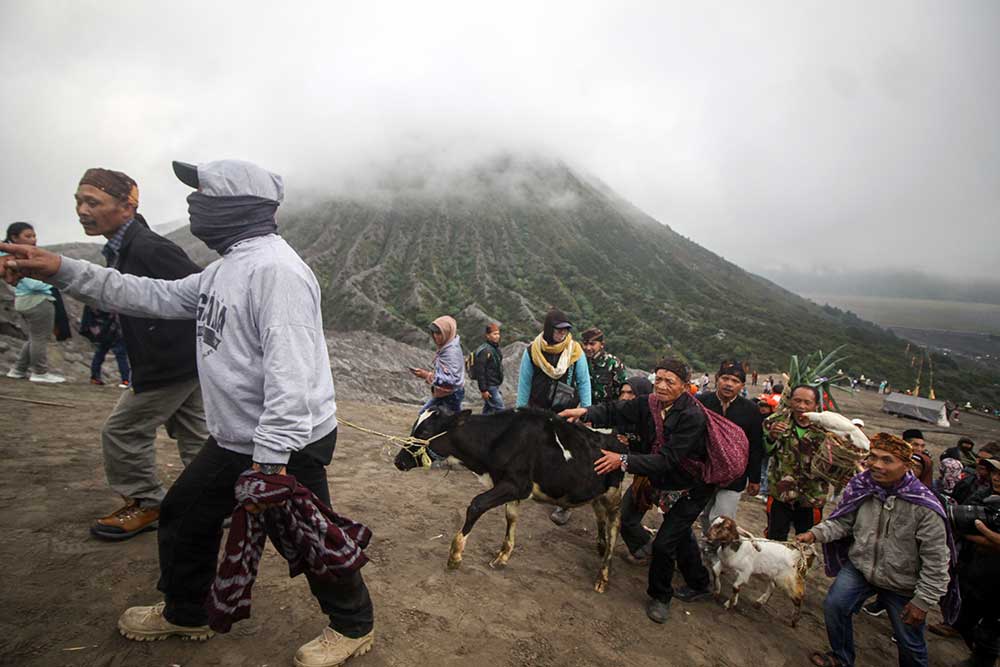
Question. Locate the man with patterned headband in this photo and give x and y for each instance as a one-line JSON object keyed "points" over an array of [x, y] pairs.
{"points": [[888, 537], [164, 387]]}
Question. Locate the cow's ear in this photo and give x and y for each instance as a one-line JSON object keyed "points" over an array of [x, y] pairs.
{"points": [[461, 417]]}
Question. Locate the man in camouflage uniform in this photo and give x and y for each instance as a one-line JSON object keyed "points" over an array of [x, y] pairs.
{"points": [[607, 372], [794, 498]]}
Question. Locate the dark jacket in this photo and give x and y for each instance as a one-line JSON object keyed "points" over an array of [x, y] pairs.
{"points": [[744, 414], [684, 430], [161, 352], [488, 366]]}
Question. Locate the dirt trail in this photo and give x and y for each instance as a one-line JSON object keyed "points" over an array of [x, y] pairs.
{"points": [[63, 591]]}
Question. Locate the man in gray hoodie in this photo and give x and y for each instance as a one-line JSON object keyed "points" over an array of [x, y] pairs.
{"points": [[268, 391]]}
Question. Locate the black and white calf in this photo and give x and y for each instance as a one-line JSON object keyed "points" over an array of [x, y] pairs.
{"points": [[525, 453]]}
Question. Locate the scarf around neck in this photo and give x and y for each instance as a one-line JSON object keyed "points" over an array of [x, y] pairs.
{"points": [[569, 352], [910, 489], [220, 222]]}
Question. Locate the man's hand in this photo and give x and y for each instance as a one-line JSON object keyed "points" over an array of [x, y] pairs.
{"points": [[776, 429], [913, 615], [421, 373], [610, 462], [753, 489], [989, 539], [27, 261], [572, 414], [622, 438], [255, 508], [805, 538], [485, 395]]}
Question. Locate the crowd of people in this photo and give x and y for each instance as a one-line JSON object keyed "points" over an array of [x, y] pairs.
{"points": [[232, 360], [889, 538]]}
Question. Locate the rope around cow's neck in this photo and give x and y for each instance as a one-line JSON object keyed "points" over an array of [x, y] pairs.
{"points": [[416, 447]]}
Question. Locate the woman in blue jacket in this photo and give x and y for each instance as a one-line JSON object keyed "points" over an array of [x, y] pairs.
{"points": [[36, 301], [447, 380]]}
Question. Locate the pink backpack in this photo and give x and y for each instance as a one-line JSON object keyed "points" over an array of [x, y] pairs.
{"points": [[727, 447]]}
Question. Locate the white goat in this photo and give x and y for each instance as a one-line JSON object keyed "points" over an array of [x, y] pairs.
{"points": [[840, 425], [782, 564]]}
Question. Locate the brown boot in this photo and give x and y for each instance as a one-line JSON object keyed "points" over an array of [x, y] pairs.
{"points": [[126, 522]]}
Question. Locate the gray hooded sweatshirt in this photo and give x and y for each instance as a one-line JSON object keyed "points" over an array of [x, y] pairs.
{"points": [[262, 356]]}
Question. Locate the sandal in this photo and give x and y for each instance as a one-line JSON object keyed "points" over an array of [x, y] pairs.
{"points": [[825, 659]]}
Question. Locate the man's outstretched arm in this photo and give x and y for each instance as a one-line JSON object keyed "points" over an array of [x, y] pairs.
{"points": [[103, 288]]}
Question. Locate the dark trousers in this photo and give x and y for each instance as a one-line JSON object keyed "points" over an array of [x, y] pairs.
{"points": [[101, 351], [844, 599], [190, 532], [782, 516], [674, 543], [979, 623]]}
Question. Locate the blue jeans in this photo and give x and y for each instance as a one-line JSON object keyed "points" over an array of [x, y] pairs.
{"points": [[118, 347], [452, 402], [494, 403], [849, 591]]}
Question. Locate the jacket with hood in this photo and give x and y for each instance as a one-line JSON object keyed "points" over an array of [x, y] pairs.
{"points": [[449, 362], [261, 351], [535, 388]]}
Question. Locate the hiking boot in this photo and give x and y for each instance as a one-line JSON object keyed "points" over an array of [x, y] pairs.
{"points": [[146, 624], [15, 374], [874, 608], [560, 516], [126, 522], [98, 381], [943, 630], [641, 557], [332, 648], [657, 611], [47, 378], [687, 594]]}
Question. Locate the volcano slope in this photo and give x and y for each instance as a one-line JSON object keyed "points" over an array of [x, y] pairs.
{"points": [[509, 237]]}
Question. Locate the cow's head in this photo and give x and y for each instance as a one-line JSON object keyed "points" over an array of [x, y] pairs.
{"points": [[429, 423]]}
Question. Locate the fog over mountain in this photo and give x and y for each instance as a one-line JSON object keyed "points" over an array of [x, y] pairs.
{"points": [[906, 284], [800, 134]]}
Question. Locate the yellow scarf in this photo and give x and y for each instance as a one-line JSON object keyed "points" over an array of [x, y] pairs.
{"points": [[568, 350]]}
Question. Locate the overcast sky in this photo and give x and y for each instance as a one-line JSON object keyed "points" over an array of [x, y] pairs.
{"points": [[834, 134]]}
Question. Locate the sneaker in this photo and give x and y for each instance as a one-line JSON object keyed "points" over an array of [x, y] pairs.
{"points": [[874, 608], [687, 594], [124, 384], [658, 611], [98, 381], [48, 378], [332, 648], [146, 624], [16, 374], [126, 522], [560, 516]]}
